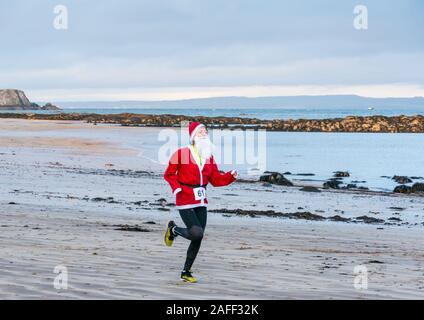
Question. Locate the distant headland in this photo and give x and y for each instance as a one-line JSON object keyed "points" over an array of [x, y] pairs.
{"points": [[13, 99]]}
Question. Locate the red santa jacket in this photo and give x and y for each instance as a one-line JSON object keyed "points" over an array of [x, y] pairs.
{"points": [[185, 175]]}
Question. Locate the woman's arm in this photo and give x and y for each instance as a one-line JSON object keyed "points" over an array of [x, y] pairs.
{"points": [[171, 175], [218, 179]]}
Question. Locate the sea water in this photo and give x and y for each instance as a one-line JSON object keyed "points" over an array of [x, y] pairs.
{"points": [[260, 113], [366, 156]]}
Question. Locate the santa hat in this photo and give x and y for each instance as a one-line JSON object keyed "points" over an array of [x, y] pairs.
{"points": [[193, 128]]}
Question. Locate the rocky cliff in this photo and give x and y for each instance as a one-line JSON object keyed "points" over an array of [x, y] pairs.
{"points": [[12, 99]]}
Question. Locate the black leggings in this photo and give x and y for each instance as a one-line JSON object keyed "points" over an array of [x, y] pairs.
{"points": [[195, 220]]}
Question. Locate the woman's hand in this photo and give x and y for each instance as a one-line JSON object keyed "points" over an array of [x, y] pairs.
{"points": [[234, 173]]}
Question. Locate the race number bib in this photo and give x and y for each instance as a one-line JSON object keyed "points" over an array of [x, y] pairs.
{"points": [[199, 193]]}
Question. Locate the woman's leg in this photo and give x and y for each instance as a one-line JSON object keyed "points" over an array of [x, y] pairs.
{"points": [[194, 246], [192, 230], [195, 220]]}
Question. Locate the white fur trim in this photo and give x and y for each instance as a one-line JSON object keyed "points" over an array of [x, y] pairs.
{"points": [[191, 206], [195, 131], [177, 190], [233, 172]]}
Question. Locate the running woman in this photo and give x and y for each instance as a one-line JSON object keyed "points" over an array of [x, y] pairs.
{"points": [[189, 171]]}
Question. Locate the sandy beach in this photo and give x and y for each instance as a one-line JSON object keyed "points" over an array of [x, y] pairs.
{"points": [[80, 196]]}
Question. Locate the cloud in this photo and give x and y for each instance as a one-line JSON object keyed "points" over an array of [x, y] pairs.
{"points": [[188, 44], [122, 73]]}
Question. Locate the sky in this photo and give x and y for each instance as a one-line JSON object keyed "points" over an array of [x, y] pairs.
{"points": [[180, 49]]}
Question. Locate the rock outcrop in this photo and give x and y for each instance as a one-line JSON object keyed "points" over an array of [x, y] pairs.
{"points": [[276, 178], [411, 124], [49, 106], [416, 188], [12, 99], [402, 179]]}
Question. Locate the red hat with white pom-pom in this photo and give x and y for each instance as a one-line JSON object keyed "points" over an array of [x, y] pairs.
{"points": [[193, 128]]}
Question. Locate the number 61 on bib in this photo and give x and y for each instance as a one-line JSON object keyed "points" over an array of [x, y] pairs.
{"points": [[199, 193]]}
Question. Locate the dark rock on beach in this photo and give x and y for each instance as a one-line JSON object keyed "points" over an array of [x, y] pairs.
{"points": [[339, 219], [418, 187], [402, 179], [140, 203], [270, 213], [111, 172], [161, 201], [305, 216], [108, 200], [341, 174], [350, 186], [276, 178], [332, 184], [310, 189], [397, 208], [402, 189], [296, 215], [135, 228], [367, 219]]}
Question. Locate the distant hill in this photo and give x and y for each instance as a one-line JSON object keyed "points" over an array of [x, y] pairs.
{"points": [[329, 101], [13, 99]]}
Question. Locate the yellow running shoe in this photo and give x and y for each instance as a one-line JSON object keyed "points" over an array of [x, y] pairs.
{"points": [[169, 235], [188, 277]]}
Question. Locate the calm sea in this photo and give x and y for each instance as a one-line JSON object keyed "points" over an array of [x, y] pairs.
{"points": [[262, 113], [367, 156]]}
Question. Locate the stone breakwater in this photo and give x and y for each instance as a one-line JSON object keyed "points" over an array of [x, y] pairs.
{"points": [[395, 124]]}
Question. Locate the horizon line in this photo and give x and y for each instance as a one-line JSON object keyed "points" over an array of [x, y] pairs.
{"points": [[234, 96]]}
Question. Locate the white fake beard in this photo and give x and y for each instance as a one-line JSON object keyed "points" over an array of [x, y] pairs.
{"points": [[204, 146]]}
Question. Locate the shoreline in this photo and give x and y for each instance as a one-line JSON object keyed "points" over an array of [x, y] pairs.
{"points": [[102, 217], [79, 137], [360, 124], [100, 158]]}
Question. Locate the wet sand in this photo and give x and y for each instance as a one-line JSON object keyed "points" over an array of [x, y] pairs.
{"points": [[74, 209]]}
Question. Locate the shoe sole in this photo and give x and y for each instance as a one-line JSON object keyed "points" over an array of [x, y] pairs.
{"points": [[168, 242], [185, 280]]}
